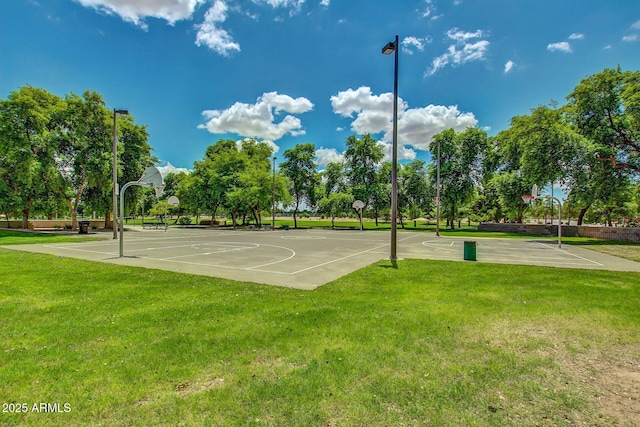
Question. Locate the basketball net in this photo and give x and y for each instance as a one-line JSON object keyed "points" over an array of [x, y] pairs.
{"points": [[528, 199], [159, 190]]}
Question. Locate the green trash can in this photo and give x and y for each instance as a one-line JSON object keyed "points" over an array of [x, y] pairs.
{"points": [[469, 251], [286, 226]]}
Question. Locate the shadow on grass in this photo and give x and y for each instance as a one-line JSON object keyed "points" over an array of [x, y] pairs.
{"points": [[392, 264]]}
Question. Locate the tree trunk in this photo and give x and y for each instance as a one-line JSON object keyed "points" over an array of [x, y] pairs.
{"points": [[581, 215], [107, 220], [25, 214], [452, 215], [74, 214], [25, 219]]}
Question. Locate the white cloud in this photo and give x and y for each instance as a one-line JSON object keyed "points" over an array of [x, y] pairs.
{"points": [[462, 36], [559, 47], [471, 52], [135, 11], [258, 120], [339, 129], [439, 62], [404, 152], [325, 156], [630, 38], [509, 66], [636, 25], [355, 101], [293, 5], [576, 36], [429, 9], [412, 42], [209, 32], [416, 126], [462, 51], [281, 3], [169, 168], [325, 3], [210, 35], [373, 112]]}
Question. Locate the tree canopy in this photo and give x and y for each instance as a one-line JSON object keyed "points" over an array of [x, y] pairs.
{"points": [[55, 155]]}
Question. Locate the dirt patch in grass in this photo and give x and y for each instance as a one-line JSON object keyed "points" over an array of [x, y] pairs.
{"points": [[614, 378], [188, 388], [609, 379]]}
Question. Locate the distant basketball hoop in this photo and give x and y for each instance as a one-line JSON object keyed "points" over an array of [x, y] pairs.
{"points": [[159, 190], [531, 197], [358, 205]]}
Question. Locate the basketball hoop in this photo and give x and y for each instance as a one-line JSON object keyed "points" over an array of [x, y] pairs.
{"points": [[159, 190], [528, 199]]}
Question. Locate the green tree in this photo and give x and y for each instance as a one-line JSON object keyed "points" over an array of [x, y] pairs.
{"points": [[461, 159], [217, 174], [26, 126], [413, 191], [334, 179], [547, 145], [336, 204], [300, 168], [362, 160], [510, 186], [605, 107]]}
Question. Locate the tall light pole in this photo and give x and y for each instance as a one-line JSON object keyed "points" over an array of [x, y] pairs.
{"points": [[438, 193], [387, 50], [115, 169], [273, 197]]}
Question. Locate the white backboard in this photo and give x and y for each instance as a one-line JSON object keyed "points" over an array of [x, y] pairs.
{"points": [[358, 204]]}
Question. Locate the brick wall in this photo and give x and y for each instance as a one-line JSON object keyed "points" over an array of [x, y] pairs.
{"points": [[623, 234], [48, 224], [13, 224]]}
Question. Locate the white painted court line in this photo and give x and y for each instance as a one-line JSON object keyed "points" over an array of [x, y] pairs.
{"points": [[229, 248], [574, 255], [543, 254], [252, 268], [350, 256]]}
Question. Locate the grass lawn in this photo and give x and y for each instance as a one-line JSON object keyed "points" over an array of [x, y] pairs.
{"points": [[620, 249], [8, 237], [426, 343]]}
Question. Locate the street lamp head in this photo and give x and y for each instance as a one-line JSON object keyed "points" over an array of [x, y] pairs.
{"points": [[123, 112], [389, 48]]}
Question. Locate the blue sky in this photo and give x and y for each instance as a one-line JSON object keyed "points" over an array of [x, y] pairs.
{"points": [[297, 71]]}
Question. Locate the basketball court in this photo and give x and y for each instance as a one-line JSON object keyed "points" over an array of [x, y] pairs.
{"points": [[306, 259]]}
